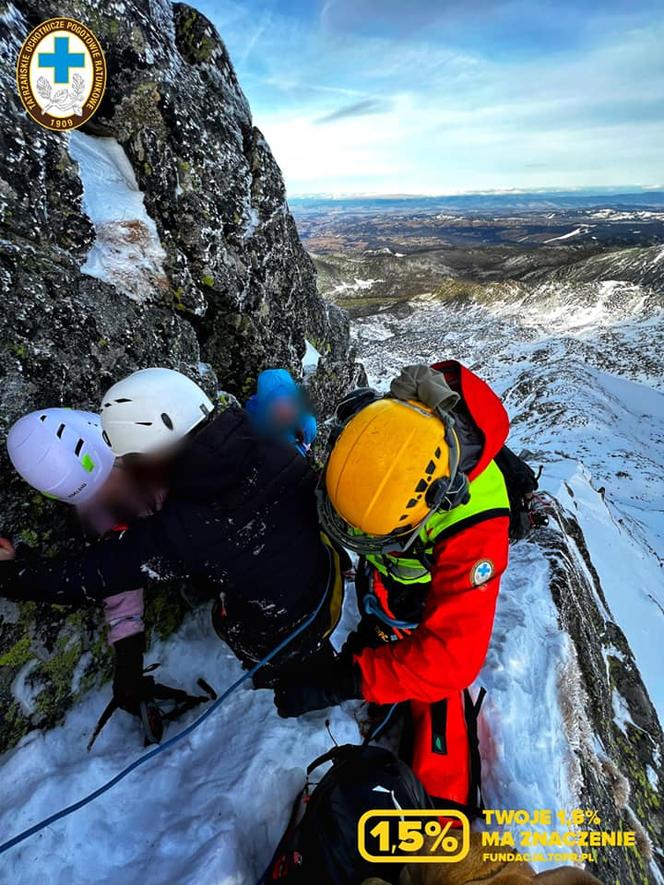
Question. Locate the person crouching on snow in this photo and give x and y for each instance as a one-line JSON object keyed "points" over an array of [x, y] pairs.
{"points": [[237, 504], [410, 484]]}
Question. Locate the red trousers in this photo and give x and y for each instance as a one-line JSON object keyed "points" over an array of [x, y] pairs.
{"points": [[441, 744], [445, 752]]}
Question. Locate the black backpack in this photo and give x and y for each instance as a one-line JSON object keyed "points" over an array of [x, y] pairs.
{"points": [[320, 842], [522, 482]]}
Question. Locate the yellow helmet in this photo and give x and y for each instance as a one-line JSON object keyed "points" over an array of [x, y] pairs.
{"points": [[389, 468]]}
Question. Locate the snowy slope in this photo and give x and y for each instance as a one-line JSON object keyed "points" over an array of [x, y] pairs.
{"points": [[581, 369], [557, 358], [591, 428], [208, 811], [526, 757], [211, 809]]}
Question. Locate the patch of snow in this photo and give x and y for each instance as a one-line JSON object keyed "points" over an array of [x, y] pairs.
{"points": [[651, 774], [11, 15], [127, 252], [209, 810], [23, 691], [150, 572], [527, 757], [583, 229], [626, 215], [630, 575], [253, 220], [311, 358], [373, 331], [621, 714], [357, 286], [80, 670], [384, 251]]}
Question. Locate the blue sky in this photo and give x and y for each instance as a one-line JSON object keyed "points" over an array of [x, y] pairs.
{"points": [[407, 96]]}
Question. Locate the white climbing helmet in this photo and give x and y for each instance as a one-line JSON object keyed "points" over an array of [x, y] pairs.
{"points": [[61, 453], [150, 410]]}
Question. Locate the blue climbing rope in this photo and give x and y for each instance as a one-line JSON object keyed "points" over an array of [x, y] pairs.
{"points": [[372, 607], [381, 726], [181, 735]]}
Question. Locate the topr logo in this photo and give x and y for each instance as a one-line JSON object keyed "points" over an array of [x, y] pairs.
{"points": [[61, 74], [481, 572]]}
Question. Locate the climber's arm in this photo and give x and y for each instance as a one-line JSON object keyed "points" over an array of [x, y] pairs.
{"points": [[121, 562], [445, 653]]}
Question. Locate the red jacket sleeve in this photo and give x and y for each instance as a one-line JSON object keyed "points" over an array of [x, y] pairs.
{"points": [[446, 652]]}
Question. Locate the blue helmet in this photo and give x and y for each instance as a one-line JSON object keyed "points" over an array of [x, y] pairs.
{"points": [[278, 410]]}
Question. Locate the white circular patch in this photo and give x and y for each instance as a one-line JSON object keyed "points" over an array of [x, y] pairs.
{"points": [[481, 572]]}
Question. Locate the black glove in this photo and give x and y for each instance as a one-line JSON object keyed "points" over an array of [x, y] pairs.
{"points": [[302, 690], [130, 685], [139, 694]]}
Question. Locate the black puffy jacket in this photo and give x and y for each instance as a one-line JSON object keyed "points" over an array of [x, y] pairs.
{"points": [[240, 514]]}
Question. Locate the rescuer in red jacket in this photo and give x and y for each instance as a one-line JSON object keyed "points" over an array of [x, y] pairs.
{"points": [[411, 485]]}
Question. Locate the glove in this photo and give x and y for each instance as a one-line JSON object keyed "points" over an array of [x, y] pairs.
{"points": [[427, 386], [130, 685], [303, 690], [139, 694], [306, 433]]}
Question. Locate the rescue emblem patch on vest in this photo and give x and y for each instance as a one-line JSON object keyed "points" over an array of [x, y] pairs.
{"points": [[481, 572]]}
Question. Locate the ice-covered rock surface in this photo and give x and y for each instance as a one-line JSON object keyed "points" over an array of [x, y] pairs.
{"points": [[159, 235], [127, 252]]}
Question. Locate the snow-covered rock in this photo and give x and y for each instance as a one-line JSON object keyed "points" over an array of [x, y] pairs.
{"points": [[127, 252]]}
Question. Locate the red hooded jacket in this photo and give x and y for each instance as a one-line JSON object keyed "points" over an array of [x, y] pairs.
{"points": [[446, 651]]}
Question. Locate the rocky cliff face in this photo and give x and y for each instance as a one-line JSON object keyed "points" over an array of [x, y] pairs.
{"points": [[620, 755], [200, 269]]}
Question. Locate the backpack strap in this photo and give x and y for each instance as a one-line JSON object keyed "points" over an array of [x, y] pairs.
{"points": [[331, 755], [283, 861]]}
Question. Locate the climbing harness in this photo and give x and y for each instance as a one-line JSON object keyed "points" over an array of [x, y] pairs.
{"points": [[373, 608]]}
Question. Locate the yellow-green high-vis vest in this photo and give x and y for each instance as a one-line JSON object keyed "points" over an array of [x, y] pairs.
{"points": [[488, 498]]}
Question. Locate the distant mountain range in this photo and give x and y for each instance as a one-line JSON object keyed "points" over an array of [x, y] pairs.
{"points": [[494, 201]]}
